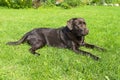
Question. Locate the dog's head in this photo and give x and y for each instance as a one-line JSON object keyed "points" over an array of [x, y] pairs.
{"points": [[77, 26]]}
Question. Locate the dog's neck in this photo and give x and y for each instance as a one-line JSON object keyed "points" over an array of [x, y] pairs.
{"points": [[67, 29]]}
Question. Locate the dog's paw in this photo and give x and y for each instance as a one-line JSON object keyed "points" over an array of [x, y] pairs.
{"points": [[102, 49], [37, 54], [96, 58]]}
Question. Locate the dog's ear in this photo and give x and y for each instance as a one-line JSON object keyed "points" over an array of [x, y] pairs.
{"points": [[70, 24]]}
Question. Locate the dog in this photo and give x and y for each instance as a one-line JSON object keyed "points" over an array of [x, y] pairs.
{"points": [[71, 36]]}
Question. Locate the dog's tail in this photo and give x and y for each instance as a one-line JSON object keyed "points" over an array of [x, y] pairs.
{"points": [[22, 40]]}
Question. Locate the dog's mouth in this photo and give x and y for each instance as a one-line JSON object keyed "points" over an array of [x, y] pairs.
{"points": [[86, 33], [83, 33]]}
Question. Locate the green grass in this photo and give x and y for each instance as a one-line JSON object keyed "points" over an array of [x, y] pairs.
{"points": [[16, 63]]}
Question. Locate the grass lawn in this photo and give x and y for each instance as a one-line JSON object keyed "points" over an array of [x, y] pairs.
{"points": [[16, 63]]}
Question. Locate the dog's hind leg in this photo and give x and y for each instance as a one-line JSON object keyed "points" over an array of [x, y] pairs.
{"points": [[36, 46]]}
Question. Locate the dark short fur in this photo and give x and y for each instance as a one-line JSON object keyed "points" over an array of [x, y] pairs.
{"points": [[71, 36]]}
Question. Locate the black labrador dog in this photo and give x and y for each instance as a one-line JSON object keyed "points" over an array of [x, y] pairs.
{"points": [[70, 36]]}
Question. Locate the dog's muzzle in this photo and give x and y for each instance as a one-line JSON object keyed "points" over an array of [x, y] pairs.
{"points": [[85, 32]]}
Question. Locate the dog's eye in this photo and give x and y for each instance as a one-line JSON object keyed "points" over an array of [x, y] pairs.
{"points": [[84, 23]]}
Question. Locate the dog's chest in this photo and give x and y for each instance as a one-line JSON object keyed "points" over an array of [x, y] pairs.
{"points": [[80, 40]]}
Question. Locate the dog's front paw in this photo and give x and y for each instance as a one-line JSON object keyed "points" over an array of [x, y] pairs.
{"points": [[37, 54], [96, 58], [102, 49]]}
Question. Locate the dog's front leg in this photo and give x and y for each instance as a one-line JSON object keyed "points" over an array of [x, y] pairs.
{"points": [[86, 54], [78, 51], [93, 46]]}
